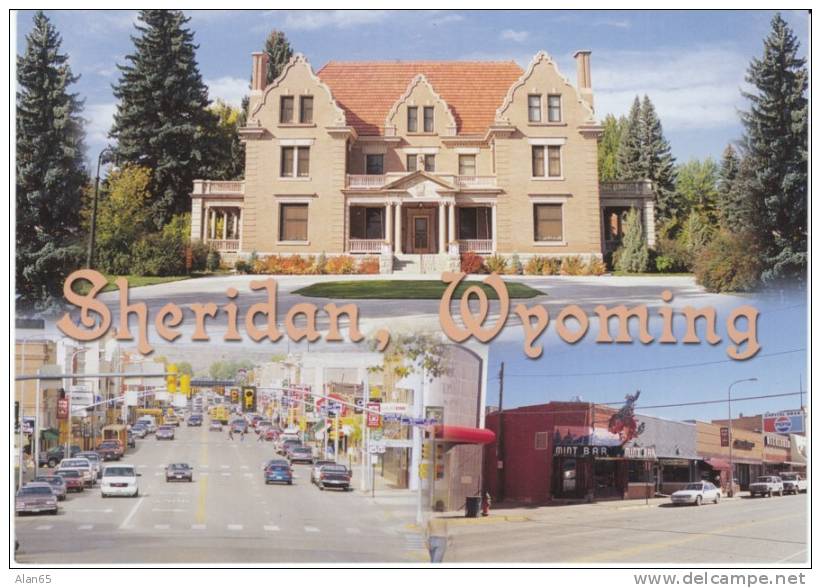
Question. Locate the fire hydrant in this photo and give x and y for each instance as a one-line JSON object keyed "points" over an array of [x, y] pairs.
{"points": [[486, 504]]}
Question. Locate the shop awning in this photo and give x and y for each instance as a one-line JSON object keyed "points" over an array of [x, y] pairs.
{"points": [[718, 463], [50, 435], [465, 435]]}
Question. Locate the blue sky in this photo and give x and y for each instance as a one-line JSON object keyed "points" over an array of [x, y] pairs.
{"points": [[560, 374], [691, 64]]}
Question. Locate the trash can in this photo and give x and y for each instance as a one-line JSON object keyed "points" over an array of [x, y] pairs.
{"points": [[472, 506]]}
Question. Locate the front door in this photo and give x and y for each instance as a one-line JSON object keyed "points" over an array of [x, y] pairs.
{"points": [[420, 234]]}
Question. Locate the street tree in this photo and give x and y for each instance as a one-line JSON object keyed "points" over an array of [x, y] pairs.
{"points": [[50, 173], [162, 120], [629, 159], [609, 144], [728, 209], [633, 255]]}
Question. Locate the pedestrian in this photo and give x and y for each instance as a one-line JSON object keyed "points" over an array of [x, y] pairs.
{"points": [[437, 532], [260, 435], [231, 433], [242, 435]]}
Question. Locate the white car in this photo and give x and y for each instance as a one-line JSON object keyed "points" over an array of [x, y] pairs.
{"points": [[96, 463], [696, 493], [82, 465], [119, 480]]}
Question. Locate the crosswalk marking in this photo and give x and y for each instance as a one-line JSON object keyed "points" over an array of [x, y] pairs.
{"points": [[197, 527], [226, 473], [248, 475], [235, 527], [44, 528], [161, 527], [243, 467], [311, 530], [85, 527], [352, 531], [271, 528], [225, 467]]}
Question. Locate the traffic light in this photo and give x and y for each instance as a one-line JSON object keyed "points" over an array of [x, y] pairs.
{"points": [[425, 451], [171, 378], [185, 385], [234, 395], [249, 399], [440, 461]]}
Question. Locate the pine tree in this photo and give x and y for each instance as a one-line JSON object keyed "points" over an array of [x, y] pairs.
{"points": [[658, 163], [162, 120], [609, 148], [775, 149], [50, 172], [279, 53], [631, 146], [728, 209], [633, 255]]}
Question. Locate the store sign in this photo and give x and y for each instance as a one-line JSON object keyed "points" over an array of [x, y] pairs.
{"points": [[783, 422], [725, 436], [374, 421], [743, 444], [395, 408], [640, 452], [771, 440], [587, 451], [62, 408]]}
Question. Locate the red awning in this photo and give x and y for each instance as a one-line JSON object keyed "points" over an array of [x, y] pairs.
{"points": [[718, 463], [468, 435]]}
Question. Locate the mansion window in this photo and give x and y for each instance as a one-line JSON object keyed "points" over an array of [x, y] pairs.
{"points": [[293, 222], [410, 162], [413, 119], [286, 109], [554, 108], [367, 222], [474, 222], [534, 108], [547, 223], [306, 109], [547, 159], [430, 163], [374, 164], [428, 122], [467, 165], [295, 162]]}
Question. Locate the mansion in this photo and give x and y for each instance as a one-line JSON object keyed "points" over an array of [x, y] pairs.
{"points": [[417, 162]]}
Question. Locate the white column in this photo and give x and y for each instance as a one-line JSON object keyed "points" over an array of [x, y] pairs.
{"points": [[389, 223], [398, 228], [452, 221], [493, 226], [442, 244], [650, 222], [224, 225], [235, 219], [213, 233]]}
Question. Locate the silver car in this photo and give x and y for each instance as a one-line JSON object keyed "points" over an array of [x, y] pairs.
{"points": [[96, 462], [36, 497]]}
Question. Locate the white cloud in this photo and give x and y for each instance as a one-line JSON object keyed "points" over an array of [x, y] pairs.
{"points": [[445, 18], [515, 36], [99, 119], [340, 19], [692, 88], [229, 89], [616, 24]]}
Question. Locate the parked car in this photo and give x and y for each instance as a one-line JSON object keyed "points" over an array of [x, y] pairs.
{"points": [[179, 472], [334, 476], [767, 486], [57, 483], [697, 493], [318, 464], [278, 470], [55, 455], [301, 454], [215, 426], [96, 462], [73, 479], [83, 466], [140, 430], [110, 449], [119, 480], [793, 482], [35, 497], [132, 441], [171, 421], [165, 432]]}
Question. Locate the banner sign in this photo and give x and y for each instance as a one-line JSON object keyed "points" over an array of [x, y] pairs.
{"points": [[374, 420], [62, 408], [725, 436], [783, 422]]}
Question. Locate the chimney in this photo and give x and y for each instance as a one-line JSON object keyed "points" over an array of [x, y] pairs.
{"points": [[259, 71], [584, 83]]}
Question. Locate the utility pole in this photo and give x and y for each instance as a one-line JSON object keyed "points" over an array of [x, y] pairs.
{"points": [[500, 440]]}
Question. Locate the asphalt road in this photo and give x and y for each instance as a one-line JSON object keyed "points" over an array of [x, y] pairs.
{"points": [[742, 530], [227, 515]]}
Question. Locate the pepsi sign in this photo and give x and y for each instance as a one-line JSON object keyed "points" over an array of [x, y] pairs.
{"points": [[784, 422]]}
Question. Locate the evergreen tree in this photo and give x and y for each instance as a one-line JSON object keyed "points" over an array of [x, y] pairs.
{"points": [[279, 53], [228, 152], [633, 255], [658, 164], [609, 148], [162, 120], [697, 188], [728, 209], [775, 149], [50, 172], [631, 146]]}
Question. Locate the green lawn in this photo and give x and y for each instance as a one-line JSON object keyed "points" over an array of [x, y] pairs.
{"points": [[405, 290], [655, 274], [133, 282]]}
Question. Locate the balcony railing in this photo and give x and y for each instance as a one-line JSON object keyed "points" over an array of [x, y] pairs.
{"points": [[219, 187], [374, 182], [476, 245], [224, 244], [627, 188], [476, 181], [365, 245], [365, 181]]}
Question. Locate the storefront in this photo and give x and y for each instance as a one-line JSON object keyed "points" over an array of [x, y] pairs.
{"points": [[713, 448], [776, 453]]}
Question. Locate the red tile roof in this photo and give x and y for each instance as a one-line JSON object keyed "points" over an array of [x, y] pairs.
{"points": [[368, 90]]}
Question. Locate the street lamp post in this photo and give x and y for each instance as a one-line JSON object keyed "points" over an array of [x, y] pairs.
{"points": [[730, 428], [93, 233]]}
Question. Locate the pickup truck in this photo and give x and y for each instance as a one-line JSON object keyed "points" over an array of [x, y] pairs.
{"points": [[55, 455], [110, 449], [767, 486], [793, 482]]}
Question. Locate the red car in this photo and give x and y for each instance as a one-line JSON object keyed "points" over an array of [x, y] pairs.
{"points": [[270, 434], [74, 480], [110, 449]]}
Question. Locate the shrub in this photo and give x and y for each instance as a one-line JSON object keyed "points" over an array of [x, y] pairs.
{"points": [[534, 266], [320, 262], [572, 266], [676, 256], [296, 265], [515, 265], [368, 265], [212, 262], [472, 263], [552, 266], [595, 267], [729, 264], [633, 255], [242, 266], [199, 255], [496, 264], [665, 264], [341, 264], [271, 264], [158, 255]]}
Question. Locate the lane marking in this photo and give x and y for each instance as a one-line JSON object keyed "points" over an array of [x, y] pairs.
{"points": [[311, 530], [85, 527], [271, 528], [44, 528], [243, 467], [198, 527], [167, 510], [132, 512], [225, 467], [105, 510], [352, 531], [235, 527], [226, 473], [248, 475], [162, 527], [203, 492]]}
